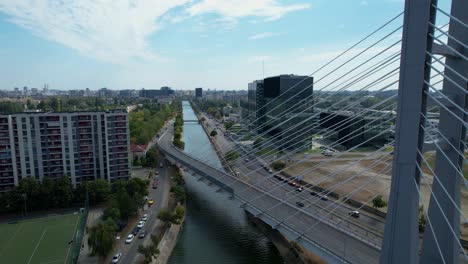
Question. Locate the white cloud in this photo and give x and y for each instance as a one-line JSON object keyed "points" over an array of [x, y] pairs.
{"points": [[263, 35], [268, 9], [118, 30]]}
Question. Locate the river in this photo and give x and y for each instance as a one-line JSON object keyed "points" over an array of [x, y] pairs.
{"points": [[216, 230]]}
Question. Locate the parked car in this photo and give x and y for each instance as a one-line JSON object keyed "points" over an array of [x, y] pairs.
{"points": [[142, 234], [313, 193], [270, 171], [246, 160], [292, 183], [324, 197], [135, 231], [299, 189], [354, 214], [285, 180], [116, 258], [150, 202], [145, 217], [161, 165], [129, 239], [327, 153], [300, 204], [141, 224]]}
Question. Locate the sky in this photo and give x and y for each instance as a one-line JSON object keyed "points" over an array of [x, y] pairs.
{"points": [[215, 44]]}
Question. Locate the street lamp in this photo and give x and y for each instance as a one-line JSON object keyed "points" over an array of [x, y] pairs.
{"points": [[25, 197]]}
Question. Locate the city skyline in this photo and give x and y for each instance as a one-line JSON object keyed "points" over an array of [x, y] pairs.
{"points": [[212, 44]]}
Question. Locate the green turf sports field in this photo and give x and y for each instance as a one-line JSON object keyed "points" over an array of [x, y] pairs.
{"points": [[37, 241]]}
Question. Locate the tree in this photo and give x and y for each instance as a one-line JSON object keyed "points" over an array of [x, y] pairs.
{"points": [[422, 219], [278, 165], [231, 155], [213, 133], [228, 125], [179, 193], [98, 191], [180, 211], [111, 212], [165, 216], [101, 237], [136, 161], [378, 202], [152, 157], [63, 192]]}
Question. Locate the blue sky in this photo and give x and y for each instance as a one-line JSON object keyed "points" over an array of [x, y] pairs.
{"points": [[217, 44]]}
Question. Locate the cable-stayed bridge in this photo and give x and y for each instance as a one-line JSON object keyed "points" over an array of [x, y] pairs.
{"points": [[422, 52]]}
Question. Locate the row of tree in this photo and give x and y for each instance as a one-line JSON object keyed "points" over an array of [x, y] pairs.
{"points": [[123, 199], [147, 120], [8, 107], [213, 107], [178, 129]]}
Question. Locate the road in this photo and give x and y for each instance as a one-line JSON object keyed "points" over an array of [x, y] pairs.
{"points": [[160, 196], [253, 172]]}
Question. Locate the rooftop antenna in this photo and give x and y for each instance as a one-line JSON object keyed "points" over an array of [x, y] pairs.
{"points": [[263, 69]]}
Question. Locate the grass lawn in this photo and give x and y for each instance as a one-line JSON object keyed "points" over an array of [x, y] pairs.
{"points": [[39, 240]]}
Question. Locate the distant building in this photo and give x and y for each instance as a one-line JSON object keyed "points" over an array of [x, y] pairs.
{"points": [[128, 93], [83, 145], [280, 102], [198, 92], [163, 93], [351, 131]]}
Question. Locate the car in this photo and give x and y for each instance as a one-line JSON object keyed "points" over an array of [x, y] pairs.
{"points": [[161, 165], [237, 173], [354, 214], [246, 160], [285, 180], [135, 231], [299, 189], [142, 234], [300, 204], [323, 197], [116, 258], [313, 193], [154, 186], [141, 224], [145, 217], [292, 183], [129, 239], [151, 202], [270, 171]]}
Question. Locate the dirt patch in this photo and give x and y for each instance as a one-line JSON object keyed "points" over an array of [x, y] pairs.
{"points": [[376, 175]]}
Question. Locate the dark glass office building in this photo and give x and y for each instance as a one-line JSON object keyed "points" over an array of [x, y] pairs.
{"points": [[282, 105]]}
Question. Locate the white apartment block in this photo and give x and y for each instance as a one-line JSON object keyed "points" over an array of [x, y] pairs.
{"points": [[83, 145]]}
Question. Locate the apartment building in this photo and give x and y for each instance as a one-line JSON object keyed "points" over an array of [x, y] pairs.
{"points": [[83, 145]]}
